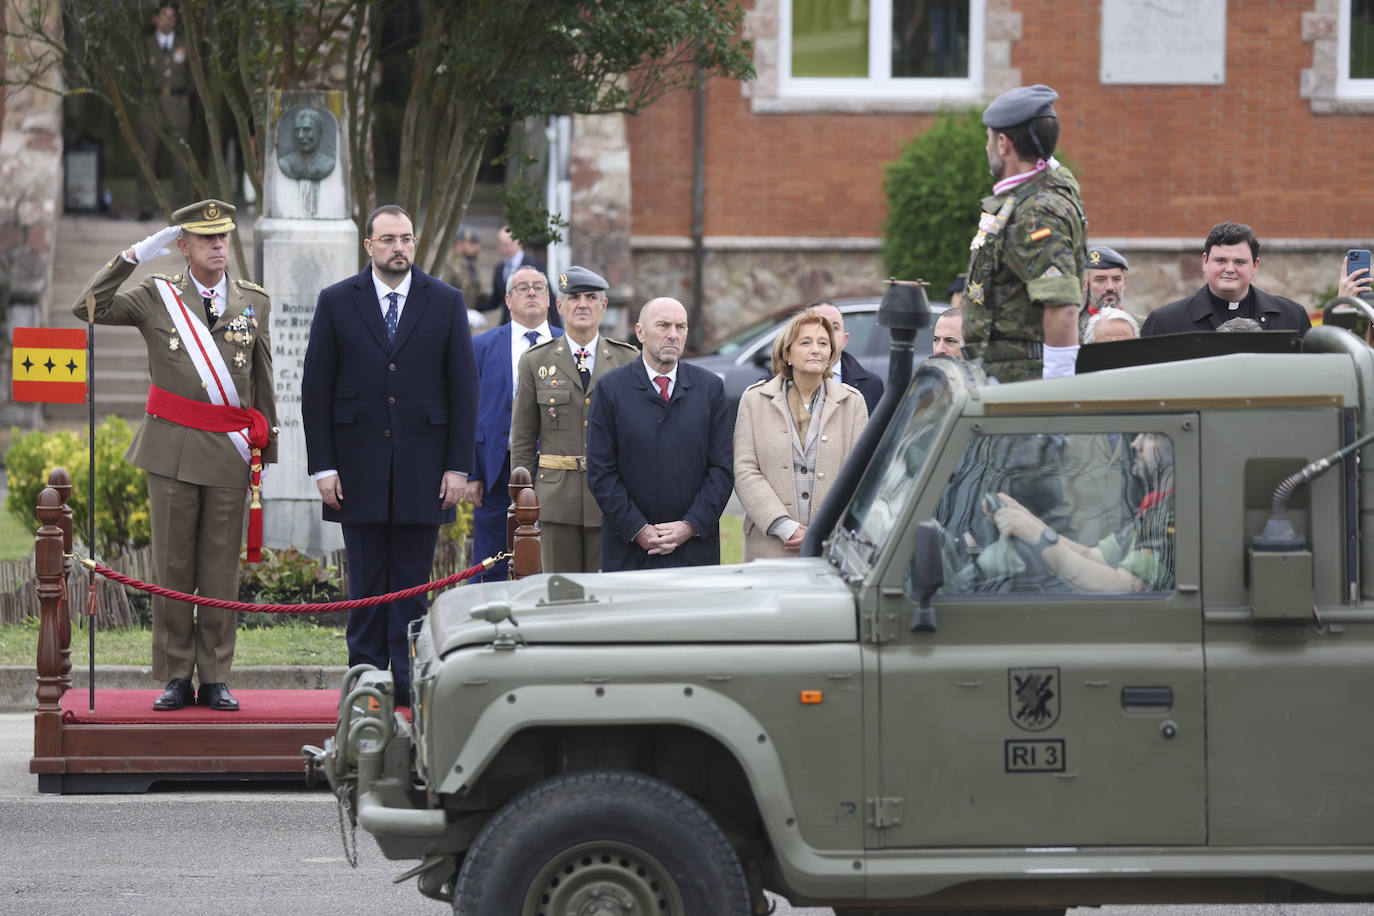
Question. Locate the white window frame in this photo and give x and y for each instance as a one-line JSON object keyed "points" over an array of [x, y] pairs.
{"points": [[1347, 88], [883, 85]]}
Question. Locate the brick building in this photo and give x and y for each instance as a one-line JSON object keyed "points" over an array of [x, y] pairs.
{"points": [[1259, 111]]}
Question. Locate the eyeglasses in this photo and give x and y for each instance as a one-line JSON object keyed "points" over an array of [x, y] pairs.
{"points": [[389, 240], [523, 288]]}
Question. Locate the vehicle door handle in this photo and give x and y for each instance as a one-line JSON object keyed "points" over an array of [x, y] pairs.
{"points": [[1147, 699]]}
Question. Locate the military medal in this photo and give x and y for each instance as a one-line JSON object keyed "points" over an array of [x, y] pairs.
{"points": [[554, 383], [553, 370], [174, 343], [228, 336], [240, 358], [543, 372]]}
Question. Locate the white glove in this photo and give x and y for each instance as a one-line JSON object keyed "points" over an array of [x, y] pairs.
{"points": [[1059, 361], [157, 244]]}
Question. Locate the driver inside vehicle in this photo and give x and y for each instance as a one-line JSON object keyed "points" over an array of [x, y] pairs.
{"points": [[1137, 557]]}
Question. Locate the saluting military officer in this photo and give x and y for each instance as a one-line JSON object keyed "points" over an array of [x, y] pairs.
{"points": [[209, 423], [557, 382], [1021, 301]]}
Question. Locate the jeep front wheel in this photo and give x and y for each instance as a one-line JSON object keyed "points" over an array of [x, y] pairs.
{"points": [[604, 842]]}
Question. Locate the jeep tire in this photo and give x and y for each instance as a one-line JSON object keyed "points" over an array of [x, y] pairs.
{"points": [[626, 841]]}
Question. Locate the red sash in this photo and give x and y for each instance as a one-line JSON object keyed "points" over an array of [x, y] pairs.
{"points": [[219, 418]]}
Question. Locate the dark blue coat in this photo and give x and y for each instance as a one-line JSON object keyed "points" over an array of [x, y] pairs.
{"points": [[854, 374], [390, 416], [492, 351], [650, 462]]}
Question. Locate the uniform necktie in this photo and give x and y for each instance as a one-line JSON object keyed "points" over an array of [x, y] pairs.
{"points": [[209, 311], [582, 369], [662, 382], [532, 337], [392, 315]]}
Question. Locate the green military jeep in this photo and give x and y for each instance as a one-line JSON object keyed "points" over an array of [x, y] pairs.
{"points": [[1080, 641]]}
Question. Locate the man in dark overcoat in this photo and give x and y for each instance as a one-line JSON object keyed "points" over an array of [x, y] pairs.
{"points": [[388, 402]]}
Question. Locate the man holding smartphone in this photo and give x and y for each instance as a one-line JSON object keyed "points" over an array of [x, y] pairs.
{"points": [[1230, 260]]}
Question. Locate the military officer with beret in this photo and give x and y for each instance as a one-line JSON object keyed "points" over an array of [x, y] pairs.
{"points": [[208, 429], [1104, 284], [549, 423], [1027, 258]]}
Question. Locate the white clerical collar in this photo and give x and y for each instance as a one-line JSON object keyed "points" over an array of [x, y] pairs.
{"points": [[383, 290]]}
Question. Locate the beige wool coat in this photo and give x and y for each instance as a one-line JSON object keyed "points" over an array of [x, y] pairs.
{"points": [[763, 456]]}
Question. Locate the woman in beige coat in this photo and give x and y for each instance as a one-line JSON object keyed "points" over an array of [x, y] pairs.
{"points": [[792, 434]]}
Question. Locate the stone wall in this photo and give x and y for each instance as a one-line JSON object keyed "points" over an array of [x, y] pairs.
{"points": [[30, 188]]}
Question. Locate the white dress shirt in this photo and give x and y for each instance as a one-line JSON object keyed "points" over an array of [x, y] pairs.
{"points": [[653, 374]]}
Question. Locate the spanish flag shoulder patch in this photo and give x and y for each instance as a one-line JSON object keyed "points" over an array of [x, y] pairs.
{"points": [[1042, 233]]}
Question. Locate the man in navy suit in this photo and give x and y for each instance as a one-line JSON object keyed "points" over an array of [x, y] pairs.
{"points": [[389, 407], [513, 258], [659, 453], [498, 355]]}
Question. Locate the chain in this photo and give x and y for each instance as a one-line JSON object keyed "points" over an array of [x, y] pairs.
{"points": [[350, 840]]}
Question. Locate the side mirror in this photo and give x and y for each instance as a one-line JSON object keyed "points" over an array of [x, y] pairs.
{"points": [[927, 575]]}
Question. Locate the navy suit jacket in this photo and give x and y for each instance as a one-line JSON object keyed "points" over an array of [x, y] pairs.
{"points": [[1196, 313], [870, 386], [390, 416], [650, 462], [492, 350]]}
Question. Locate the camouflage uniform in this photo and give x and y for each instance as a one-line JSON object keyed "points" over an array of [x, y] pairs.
{"points": [[1029, 253]]}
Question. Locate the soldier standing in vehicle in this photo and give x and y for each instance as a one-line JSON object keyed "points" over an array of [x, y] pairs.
{"points": [[1021, 301]]}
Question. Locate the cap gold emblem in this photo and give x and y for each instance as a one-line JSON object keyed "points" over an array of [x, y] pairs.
{"points": [[212, 211], [1095, 257], [563, 280]]}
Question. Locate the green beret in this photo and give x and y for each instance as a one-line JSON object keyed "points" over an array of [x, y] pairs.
{"points": [[580, 280], [1019, 105]]}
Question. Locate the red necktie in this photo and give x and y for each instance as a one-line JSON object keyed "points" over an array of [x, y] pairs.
{"points": [[662, 382]]}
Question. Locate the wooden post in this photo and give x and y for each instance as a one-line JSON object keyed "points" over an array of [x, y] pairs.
{"points": [[47, 565], [519, 480], [526, 561], [61, 481]]}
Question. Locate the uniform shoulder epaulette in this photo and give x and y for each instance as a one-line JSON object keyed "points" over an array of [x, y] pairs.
{"points": [[170, 278], [541, 345], [249, 284], [621, 343]]}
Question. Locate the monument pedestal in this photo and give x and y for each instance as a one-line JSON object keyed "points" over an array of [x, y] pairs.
{"points": [[298, 258]]}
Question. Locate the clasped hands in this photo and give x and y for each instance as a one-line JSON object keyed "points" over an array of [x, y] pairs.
{"points": [[663, 538]]}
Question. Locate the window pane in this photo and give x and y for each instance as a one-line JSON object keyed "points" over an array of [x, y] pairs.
{"points": [[930, 38], [830, 38], [1111, 495], [1361, 39]]}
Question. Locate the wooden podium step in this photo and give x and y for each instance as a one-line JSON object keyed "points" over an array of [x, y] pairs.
{"points": [[125, 746]]}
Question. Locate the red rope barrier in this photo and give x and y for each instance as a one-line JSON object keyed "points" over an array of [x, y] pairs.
{"points": [[288, 608]]}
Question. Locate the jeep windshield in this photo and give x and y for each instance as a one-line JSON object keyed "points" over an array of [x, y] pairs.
{"points": [[882, 494]]}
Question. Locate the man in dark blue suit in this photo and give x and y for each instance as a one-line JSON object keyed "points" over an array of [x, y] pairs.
{"points": [[659, 453], [498, 355], [389, 407], [513, 258]]}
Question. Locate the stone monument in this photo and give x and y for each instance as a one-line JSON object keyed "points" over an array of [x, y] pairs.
{"points": [[305, 240]]}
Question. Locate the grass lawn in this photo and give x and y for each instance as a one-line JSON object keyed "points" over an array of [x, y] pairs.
{"points": [[286, 644]]}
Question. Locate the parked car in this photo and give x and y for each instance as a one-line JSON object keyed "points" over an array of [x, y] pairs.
{"points": [[743, 358]]}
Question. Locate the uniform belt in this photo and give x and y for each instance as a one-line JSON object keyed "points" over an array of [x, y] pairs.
{"points": [[1003, 349], [563, 462]]}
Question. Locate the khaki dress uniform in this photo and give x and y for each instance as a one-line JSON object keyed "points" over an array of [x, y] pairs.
{"points": [[549, 420], [197, 480]]}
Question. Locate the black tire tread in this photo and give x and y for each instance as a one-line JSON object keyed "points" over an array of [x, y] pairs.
{"points": [[562, 796]]}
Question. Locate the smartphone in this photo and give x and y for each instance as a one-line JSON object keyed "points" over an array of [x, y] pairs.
{"points": [[1356, 258]]}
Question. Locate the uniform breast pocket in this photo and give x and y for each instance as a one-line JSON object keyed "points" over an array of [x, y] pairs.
{"points": [[556, 403]]}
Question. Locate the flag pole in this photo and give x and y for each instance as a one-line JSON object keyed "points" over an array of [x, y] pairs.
{"points": [[91, 604]]}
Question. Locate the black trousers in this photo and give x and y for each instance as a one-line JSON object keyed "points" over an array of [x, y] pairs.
{"points": [[381, 559]]}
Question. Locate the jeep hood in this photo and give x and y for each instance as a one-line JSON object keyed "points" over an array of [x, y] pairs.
{"points": [[793, 600]]}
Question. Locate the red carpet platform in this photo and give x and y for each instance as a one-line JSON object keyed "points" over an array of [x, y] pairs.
{"points": [[124, 746]]}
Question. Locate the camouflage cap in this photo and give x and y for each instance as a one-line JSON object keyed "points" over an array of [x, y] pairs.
{"points": [[467, 234], [580, 280], [1101, 257], [1019, 105], [209, 217]]}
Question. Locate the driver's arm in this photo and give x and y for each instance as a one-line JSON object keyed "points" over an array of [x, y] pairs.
{"points": [[1080, 566]]}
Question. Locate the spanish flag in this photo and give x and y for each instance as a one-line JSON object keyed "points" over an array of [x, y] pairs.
{"points": [[50, 365]]}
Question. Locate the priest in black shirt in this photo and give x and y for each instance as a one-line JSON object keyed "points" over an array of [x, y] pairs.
{"points": [[1230, 259]]}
